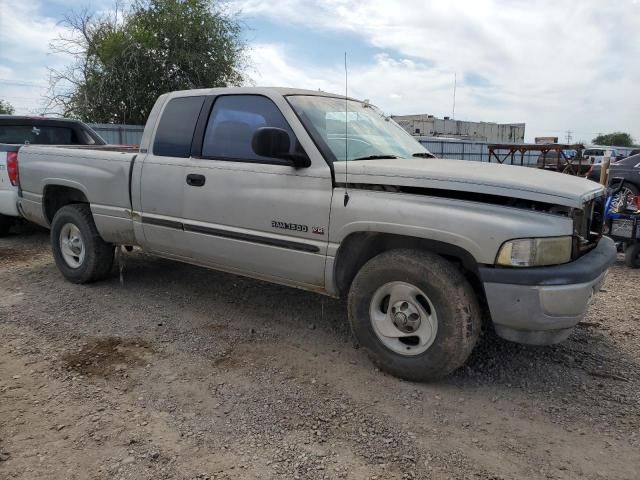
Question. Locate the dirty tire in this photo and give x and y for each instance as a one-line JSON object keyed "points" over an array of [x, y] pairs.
{"points": [[455, 302], [98, 258], [632, 255], [5, 225]]}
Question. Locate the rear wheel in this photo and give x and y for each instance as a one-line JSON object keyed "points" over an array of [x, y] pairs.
{"points": [[5, 225], [632, 255], [414, 313], [79, 251]]}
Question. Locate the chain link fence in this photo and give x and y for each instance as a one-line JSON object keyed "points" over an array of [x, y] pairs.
{"points": [[119, 134], [442, 148], [469, 150]]}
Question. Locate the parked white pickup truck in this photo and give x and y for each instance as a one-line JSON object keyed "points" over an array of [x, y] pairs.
{"points": [[16, 131], [285, 185]]}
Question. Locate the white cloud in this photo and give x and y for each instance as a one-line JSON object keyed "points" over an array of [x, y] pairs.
{"points": [[554, 64], [25, 35], [396, 85]]}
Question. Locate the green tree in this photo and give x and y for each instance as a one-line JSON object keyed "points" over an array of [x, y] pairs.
{"points": [[615, 139], [125, 60], [6, 108]]}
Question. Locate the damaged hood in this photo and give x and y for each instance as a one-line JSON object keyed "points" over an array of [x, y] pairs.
{"points": [[484, 178]]}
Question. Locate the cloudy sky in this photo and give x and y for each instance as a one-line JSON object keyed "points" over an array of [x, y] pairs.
{"points": [[556, 65]]}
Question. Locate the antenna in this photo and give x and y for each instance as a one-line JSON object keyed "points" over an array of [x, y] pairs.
{"points": [[346, 133], [453, 114]]}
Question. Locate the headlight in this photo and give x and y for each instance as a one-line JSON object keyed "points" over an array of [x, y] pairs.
{"points": [[535, 252]]}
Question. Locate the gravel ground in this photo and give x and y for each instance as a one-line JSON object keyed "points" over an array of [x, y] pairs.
{"points": [[178, 372]]}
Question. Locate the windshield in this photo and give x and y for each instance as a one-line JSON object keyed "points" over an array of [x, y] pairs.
{"points": [[370, 134]]}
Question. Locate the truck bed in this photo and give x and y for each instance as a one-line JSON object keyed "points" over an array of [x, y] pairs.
{"points": [[101, 173]]}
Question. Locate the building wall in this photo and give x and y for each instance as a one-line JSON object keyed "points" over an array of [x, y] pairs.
{"points": [[428, 125]]}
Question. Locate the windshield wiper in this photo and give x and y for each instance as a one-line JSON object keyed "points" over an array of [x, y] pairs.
{"points": [[375, 157], [423, 155]]}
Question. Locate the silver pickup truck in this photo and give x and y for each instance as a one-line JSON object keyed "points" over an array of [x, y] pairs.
{"points": [[325, 193]]}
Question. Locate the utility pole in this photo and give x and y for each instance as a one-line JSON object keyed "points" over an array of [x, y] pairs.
{"points": [[569, 137], [453, 113]]}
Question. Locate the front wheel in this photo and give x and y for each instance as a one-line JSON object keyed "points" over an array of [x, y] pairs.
{"points": [[415, 314], [79, 251]]}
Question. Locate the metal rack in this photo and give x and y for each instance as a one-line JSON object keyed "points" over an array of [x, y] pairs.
{"points": [[570, 165]]}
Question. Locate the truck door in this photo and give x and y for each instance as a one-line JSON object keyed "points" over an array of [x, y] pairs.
{"points": [[256, 215], [162, 184]]}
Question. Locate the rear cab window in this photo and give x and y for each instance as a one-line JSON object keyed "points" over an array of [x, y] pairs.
{"points": [[176, 127]]}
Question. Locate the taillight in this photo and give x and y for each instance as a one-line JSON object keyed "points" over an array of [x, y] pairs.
{"points": [[12, 167]]}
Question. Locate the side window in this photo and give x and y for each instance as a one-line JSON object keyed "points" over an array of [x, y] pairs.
{"points": [[175, 130], [232, 123]]}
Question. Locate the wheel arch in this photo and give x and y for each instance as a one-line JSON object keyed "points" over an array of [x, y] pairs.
{"points": [[359, 247], [55, 196]]}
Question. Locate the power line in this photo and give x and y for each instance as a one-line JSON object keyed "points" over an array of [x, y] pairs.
{"points": [[17, 97], [573, 132], [21, 83], [569, 137]]}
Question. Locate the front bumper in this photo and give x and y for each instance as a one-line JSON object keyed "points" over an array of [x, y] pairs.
{"points": [[540, 306]]}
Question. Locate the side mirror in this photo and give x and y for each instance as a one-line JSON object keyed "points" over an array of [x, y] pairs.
{"points": [[275, 143]]}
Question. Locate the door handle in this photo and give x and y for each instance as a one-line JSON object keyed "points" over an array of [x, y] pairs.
{"points": [[196, 180]]}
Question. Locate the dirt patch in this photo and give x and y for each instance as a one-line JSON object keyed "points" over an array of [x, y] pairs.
{"points": [[18, 255], [182, 373], [105, 356], [237, 352]]}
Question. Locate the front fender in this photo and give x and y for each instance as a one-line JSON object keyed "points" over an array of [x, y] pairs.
{"points": [[478, 228]]}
